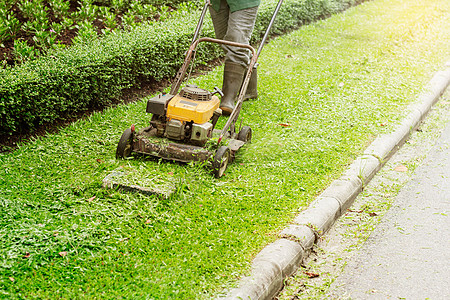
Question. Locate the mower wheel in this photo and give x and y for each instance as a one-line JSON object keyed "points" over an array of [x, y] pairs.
{"points": [[125, 144], [245, 134], [220, 161]]}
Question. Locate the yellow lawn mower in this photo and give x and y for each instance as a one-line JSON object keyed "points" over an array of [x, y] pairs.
{"points": [[183, 123]]}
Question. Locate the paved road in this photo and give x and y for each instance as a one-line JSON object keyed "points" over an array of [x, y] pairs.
{"points": [[408, 254]]}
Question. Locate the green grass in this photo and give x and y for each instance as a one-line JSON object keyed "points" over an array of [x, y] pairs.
{"points": [[338, 83]]}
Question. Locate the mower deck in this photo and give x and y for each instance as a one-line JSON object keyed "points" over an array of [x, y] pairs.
{"points": [[146, 142]]}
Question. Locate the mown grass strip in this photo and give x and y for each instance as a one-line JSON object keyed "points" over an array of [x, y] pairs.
{"points": [[326, 91]]}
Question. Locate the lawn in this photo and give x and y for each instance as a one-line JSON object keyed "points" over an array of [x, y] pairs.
{"points": [[326, 91]]}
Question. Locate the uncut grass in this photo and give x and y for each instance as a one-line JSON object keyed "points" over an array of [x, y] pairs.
{"points": [[335, 84]]}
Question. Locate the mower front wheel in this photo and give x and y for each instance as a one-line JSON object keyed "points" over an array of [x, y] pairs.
{"points": [[245, 134], [125, 145], [221, 160]]}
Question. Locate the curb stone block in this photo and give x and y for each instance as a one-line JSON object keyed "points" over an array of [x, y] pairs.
{"points": [[424, 106], [344, 191], [433, 91], [422, 109], [382, 148], [402, 132], [321, 214], [439, 83], [386, 145], [269, 269], [414, 118], [364, 167], [301, 233], [265, 277], [427, 100], [406, 127], [285, 253], [436, 88]]}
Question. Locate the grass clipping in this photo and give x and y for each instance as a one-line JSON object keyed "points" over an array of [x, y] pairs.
{"points": [[143, 180]]}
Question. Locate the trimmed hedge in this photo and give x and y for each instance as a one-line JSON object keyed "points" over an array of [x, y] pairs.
{"points": [[93, 74], [127, 3]]}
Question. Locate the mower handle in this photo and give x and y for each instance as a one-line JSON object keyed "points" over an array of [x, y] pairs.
{"points": [[190, 53], [200, 21]]}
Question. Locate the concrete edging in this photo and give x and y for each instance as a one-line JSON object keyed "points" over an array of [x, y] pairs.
{"points": [[282, 258]]}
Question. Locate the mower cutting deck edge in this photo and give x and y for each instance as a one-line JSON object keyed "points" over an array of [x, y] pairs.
{"points": [[182, 126], [147, 142]]}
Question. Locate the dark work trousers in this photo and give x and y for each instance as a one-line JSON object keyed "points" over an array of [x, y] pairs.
{"points": [[234, 27]]}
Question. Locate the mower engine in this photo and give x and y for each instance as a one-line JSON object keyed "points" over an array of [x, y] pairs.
{"points": [[189, 116]]}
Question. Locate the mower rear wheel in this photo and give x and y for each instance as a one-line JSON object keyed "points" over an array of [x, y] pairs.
{"points": [[245, 134], [125, 144], [220, 162]]}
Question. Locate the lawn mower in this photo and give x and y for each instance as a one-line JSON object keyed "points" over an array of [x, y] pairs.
{"points": [[183, 123]]}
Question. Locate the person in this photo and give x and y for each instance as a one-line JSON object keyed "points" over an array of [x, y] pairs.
{"points": [[233, 20]]}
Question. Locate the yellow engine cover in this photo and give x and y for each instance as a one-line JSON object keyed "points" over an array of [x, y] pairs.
{"points": [[187, 110]]}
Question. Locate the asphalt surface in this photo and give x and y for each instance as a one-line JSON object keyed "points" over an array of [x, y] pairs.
{"points": [[408, 254]]}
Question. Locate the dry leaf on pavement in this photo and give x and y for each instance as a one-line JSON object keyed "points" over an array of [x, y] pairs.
{"points": [[311, 275], [401, 168]]}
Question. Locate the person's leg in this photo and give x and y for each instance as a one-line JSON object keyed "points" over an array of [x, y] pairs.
{"points": [[235, 27], [233, 74], [240, 28], [220, 19]]}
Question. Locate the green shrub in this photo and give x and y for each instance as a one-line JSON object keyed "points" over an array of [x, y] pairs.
{"points": [[92, 73], [126, 4]]}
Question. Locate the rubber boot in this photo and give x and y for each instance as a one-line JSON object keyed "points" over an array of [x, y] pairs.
{"points": [[252, 88], [233, 75]]}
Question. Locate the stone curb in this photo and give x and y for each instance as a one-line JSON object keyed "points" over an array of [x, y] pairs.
{"points": [[282, 258]]}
